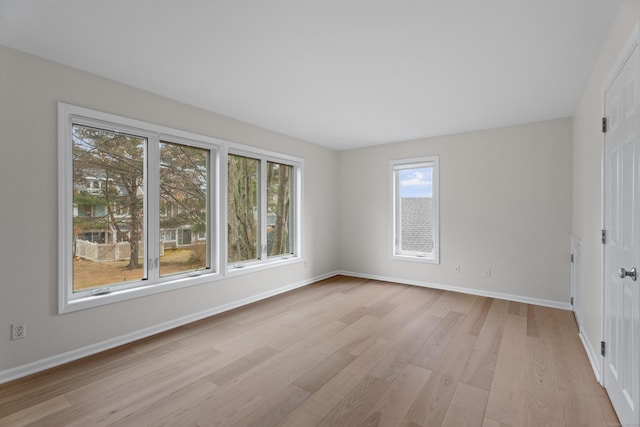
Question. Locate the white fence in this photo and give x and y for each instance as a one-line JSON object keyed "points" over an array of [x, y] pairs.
{"points": [[104, 252]]}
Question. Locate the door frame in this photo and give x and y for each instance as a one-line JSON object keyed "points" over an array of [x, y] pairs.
{"points": [[627, 49], [576, 281]]}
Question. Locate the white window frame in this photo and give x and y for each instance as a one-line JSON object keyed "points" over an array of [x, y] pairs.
{"points": [[265, 261], [395, 166], [69, 301]]}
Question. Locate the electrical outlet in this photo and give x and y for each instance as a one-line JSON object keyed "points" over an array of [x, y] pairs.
{"points": [[487, 272], [458, 269], [18, 330]]}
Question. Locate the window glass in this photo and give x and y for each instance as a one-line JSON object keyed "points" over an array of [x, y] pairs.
{"points": [[184, 177], [416, 209], [243, 209], [279, 209], [108, 190]]}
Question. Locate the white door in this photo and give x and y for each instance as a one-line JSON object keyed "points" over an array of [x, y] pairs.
{"points": [[576, 282], [622, 248]]}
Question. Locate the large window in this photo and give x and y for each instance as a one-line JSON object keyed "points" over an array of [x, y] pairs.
{"points": [[415, 233], [127, 190], [261, 209], [141, 212]]}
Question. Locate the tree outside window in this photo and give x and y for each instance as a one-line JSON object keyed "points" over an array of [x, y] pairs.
{"points": [[260, 209]]}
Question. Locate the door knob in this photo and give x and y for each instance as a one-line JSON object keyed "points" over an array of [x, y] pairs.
{"points": [[624, 273]]}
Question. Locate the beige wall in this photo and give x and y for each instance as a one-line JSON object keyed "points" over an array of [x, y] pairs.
{"points": [[505, 205], [587, 159], [29, 91]]}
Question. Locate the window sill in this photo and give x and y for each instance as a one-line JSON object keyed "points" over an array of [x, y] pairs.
{"points": [[169, 284], [259, 266], [414, 258], [83, 303]]}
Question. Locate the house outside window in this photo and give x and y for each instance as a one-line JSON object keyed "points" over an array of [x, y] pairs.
{"points": [[415, 231]]}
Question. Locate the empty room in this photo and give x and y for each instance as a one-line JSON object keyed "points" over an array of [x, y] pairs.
{"points": [[336, 213]]}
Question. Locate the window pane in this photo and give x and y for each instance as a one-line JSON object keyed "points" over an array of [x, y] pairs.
{"points": [[416, 209], [279, 209], [184, 175], [108, 207], [242, 209]]}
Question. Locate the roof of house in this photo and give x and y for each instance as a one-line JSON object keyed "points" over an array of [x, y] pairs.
{"points": [[417, 224]]}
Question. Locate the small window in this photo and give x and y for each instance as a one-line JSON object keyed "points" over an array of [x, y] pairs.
{"points": [[415, 209]]}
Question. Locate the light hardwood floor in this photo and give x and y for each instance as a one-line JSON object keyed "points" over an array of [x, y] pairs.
{"points": [[342, 352]]}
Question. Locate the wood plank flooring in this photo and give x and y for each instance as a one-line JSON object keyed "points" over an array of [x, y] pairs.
{"points": [[342, 352]]}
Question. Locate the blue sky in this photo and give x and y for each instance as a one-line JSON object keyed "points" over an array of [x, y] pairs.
{"points": [[416, 182]]}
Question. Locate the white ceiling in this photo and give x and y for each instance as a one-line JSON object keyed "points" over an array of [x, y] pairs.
{"points": [[340, 73]]}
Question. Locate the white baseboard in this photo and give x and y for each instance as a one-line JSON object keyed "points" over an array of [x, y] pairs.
{"points": [[53, 361], [498, 295], [593, 356]]}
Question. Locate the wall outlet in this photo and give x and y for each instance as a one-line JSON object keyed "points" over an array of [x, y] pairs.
{"points": [[458, 269], [487, 272], [18, 330]]}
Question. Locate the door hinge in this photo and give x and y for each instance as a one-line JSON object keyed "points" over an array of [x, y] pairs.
{"points": [[604, 236], [572, 301], [572, 258], [602, 348], [604, 125]]}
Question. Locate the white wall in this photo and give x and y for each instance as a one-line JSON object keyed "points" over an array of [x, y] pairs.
{"points": [[587, 159], [505, 204], [29, 91]]}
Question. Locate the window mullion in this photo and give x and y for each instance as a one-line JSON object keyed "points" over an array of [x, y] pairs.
{"points": [[295, 202], [262, 202], [221, 202], [152, 209], [212, 218], [396, 211]]}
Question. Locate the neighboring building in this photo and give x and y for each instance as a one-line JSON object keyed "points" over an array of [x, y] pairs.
{"points": [[416, 219], [94, 223]]}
